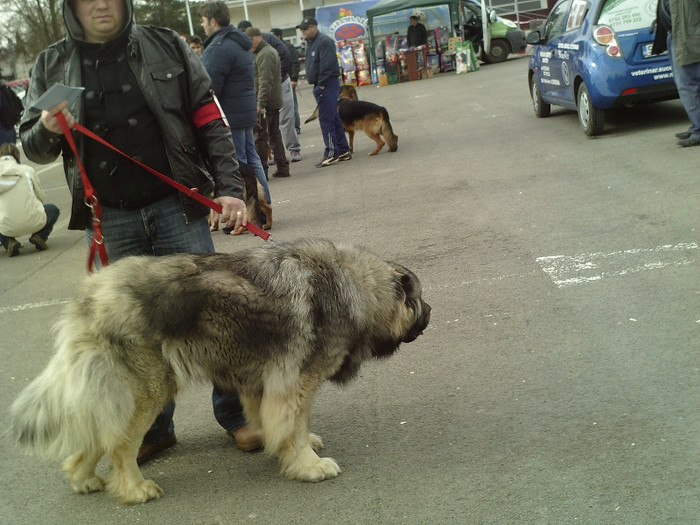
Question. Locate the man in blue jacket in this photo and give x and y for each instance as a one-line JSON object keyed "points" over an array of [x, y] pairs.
{"points": [[228, 59], [322, 72]]}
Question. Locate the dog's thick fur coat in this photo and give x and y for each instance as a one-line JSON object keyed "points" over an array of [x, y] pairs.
{"points": [[272, 323]]}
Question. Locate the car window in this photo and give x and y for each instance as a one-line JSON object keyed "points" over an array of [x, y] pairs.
{"points": [[471, 13], [626, 15], [579, 8], [555, 22]]}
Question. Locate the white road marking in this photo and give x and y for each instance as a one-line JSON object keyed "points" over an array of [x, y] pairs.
{"points": [[566, 270], [30, 306]]}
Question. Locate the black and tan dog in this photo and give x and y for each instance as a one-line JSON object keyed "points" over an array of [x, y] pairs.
{"points": [[366, 116], [369, 117], [259, 211]]}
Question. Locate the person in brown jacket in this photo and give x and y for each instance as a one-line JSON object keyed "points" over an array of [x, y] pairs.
{"points": [[268, 90]]}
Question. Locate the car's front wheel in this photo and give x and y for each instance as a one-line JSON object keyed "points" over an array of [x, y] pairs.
{"points": [[498, 52], [591, 118], [542, 109]]}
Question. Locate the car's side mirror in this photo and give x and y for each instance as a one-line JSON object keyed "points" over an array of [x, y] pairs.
{"points": [[533, 37], [493, 17]]}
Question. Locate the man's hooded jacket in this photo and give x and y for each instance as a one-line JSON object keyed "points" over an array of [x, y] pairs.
{"points": [[173, 83]]}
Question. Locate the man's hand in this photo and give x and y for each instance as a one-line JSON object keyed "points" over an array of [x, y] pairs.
{"points": [[48, 118], [234, 212]]}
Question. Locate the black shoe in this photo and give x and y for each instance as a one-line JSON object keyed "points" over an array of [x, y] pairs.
{"points": [[690, 141], [683, 135], [344, 156], [277, 174], [37, 241], [147, 451], [13, 246]]}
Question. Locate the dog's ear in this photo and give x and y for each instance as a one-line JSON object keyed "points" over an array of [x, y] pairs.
{"points": [[407, 284]]}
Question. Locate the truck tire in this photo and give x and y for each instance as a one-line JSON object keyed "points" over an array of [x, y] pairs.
{"points": [[498, 52]]}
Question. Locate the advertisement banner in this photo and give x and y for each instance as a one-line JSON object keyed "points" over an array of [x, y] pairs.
{"points": [[344, 21]]}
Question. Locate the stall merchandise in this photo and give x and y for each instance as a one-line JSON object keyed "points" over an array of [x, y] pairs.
{"points": [[465, 58]]}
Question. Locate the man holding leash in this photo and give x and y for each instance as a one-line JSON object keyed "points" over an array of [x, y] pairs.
{"points": [[147, 94], [322, 72]]}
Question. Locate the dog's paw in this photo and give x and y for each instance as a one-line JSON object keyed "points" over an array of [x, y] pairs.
{"points": [[143, 492], [93, 484], [325, 468], [317, 470], [316, 442]]}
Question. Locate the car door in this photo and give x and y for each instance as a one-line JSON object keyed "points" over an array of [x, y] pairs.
{"points": [[552, 84]]}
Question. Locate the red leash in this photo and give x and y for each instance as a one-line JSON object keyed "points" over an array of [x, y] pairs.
{"points": [[91, 200]]}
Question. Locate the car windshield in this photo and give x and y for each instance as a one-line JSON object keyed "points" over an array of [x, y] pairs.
{"points": [[628, 15]]}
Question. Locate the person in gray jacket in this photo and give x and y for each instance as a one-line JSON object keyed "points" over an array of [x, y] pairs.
{"points": [[290, 137], [147, 94], [268, 90]]}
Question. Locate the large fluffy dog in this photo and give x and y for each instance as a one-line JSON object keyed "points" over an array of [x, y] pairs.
{"points": [[272, 323]]}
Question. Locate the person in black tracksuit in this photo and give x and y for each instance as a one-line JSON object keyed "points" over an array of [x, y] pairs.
{"points": [[322, 72]]}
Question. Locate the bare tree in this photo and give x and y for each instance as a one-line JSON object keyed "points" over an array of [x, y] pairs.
{"points": [[166, 13], [28, 27]]}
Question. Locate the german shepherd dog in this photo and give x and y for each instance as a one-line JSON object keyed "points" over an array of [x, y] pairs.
{"points": [[256, 205], [366, 116]]}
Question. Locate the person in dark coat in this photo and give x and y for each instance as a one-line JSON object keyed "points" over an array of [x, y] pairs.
{"points": [[322, 73], [147, 94], [228, 58], [416, 34]]}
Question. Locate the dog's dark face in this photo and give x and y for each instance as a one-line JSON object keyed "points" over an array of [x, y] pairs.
{"points": [[348, 92], [415, 303]]}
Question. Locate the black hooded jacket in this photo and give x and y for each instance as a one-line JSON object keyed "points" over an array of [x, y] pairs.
{"points": [[174, 85]]}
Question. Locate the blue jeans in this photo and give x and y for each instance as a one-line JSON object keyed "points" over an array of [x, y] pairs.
{"points": [[160, 229], [329, 120], [297, 120], [52, 213], [687, 80], [244, 141]]}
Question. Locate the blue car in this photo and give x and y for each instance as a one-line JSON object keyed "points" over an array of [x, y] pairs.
{"points": [[592, 55]]}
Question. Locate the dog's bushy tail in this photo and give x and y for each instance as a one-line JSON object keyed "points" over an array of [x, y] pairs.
{"points": [[391, 139], [78, 403]]}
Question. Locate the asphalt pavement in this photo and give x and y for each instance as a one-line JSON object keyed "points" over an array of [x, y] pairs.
{"points": [[557, 382]]}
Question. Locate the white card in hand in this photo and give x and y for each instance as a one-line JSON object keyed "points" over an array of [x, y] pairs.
{"points": [[57, 94]]}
